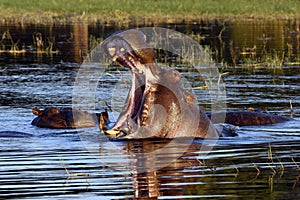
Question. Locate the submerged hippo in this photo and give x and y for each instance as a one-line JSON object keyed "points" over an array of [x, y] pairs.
{"points": [[65, 118], [157, 106]]}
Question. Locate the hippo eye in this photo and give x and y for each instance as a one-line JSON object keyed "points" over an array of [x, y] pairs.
{"points": [[112, 51]]}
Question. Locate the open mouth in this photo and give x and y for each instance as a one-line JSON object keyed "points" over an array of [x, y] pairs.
{"points": [[134, 111], [135, 100]]}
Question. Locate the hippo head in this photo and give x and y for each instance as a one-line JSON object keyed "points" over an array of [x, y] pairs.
{"points": [[64, 118], [156, 106]]}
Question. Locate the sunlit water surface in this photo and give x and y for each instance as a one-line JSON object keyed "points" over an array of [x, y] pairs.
{"points": [[263, 162]]}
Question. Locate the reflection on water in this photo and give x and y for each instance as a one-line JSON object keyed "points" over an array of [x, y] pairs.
{"points": [[230, 41], [262, 162]]}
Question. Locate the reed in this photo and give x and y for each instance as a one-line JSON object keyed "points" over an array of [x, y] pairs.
{"points": [[71, 174], [251, 58], [40, 46], [94, 41], [7, 44]]}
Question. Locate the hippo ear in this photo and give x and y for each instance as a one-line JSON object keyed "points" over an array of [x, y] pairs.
{"points": [[36, 111]]}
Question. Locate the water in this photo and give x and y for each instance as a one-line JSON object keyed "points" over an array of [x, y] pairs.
{"points": [[262, 162]]}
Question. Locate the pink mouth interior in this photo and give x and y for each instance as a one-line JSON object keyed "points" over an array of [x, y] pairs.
{"points": [[135, 99]]}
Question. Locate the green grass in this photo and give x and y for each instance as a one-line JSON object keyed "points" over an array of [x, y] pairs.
{"points": [[142, 10]]}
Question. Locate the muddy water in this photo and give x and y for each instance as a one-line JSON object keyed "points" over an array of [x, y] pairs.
{"points": [[262, 162]]}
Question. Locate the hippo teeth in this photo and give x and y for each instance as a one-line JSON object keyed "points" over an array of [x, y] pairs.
{"points": [[129, 62], [124, 62]]}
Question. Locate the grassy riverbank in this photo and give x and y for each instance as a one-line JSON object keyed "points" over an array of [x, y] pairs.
{"points": [[142, 11]]}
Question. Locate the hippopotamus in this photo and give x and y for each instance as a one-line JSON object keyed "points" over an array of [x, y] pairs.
{"points": [[67, 118], [157, 106], [248, 118]]}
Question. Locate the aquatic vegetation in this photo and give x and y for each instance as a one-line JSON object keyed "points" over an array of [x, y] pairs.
{"points": [[254, 58], [71, 174], [7, 44], [94, 41], [39, 45], [43, 46]]}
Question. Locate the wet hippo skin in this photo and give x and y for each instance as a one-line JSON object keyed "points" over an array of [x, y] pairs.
{"points": [[156, 105], [247, 118], [66, 118]]}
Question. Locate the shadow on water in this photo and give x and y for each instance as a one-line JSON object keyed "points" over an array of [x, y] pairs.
{"points": [[262, 162]]}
